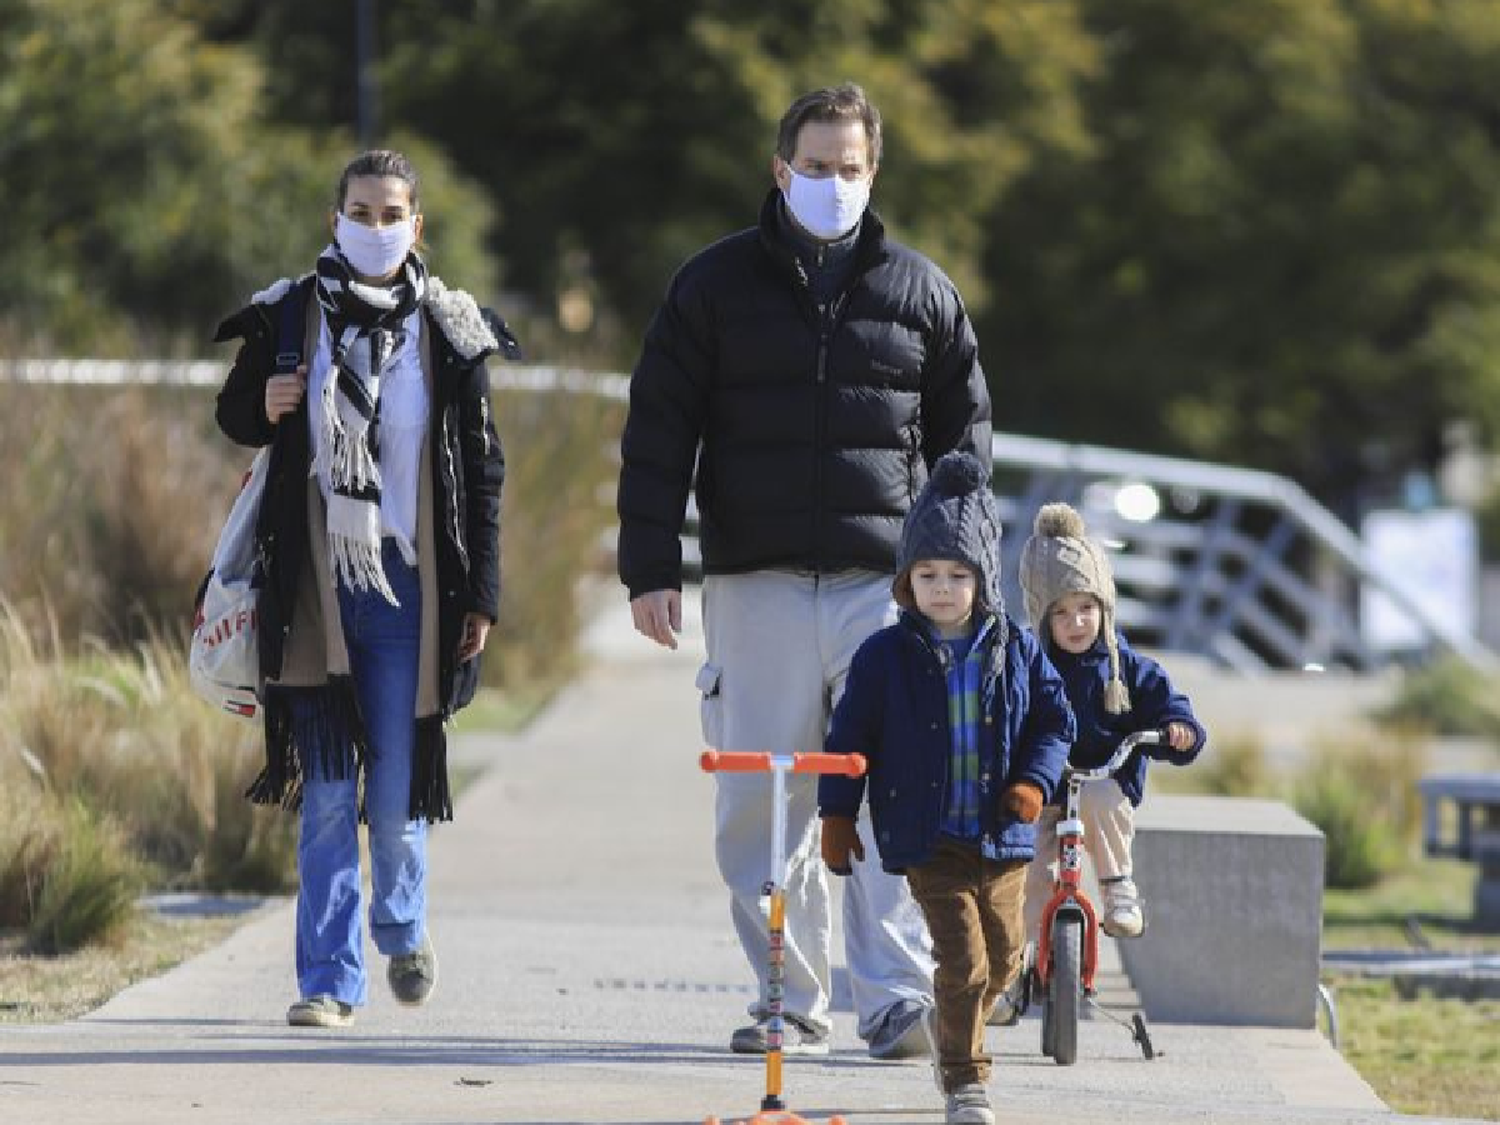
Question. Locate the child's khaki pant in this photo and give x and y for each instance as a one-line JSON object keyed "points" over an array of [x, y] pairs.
{"points": [[1108, 832], [973, 911]]}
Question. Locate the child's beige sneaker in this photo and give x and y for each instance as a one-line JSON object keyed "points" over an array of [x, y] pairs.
{"points": [[1123, 917]]}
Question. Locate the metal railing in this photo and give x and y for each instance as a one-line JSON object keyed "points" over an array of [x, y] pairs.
{"points": [[1238, 565]]}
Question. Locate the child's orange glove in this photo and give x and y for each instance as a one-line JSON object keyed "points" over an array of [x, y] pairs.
{"points": [[840, 843], [1023, 800]]}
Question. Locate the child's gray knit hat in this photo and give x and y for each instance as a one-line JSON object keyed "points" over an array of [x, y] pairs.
{"points": [[1060, 559], [953, 517]]}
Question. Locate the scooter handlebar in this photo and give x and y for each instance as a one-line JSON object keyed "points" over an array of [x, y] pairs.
{"points": [[757, 761]]}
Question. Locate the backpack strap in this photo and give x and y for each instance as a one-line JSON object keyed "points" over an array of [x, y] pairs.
{"points": [[291, 328]]}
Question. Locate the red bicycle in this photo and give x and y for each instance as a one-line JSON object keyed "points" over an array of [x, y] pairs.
{"points": [[1067, 953]]}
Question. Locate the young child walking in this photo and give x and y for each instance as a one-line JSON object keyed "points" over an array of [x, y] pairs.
{"points": [[1114, 691], [966, 728]]}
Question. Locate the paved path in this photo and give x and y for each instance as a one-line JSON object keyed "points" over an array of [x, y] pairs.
{"points": [[589, 975]]}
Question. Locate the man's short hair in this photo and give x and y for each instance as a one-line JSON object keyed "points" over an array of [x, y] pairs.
{"points": [[846, 102]]}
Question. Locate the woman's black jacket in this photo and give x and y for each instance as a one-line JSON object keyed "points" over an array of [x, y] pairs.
{"points": [[468, 469]]}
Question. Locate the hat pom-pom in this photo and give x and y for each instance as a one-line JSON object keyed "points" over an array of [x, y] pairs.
{"points": [[957, 474], [1059, 521]]}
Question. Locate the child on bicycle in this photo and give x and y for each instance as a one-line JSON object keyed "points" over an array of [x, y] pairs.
{"points": [[1070, 598], [966, 727]]}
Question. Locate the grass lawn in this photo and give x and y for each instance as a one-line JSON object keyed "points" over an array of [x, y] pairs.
{"points": [[1424, 1055], [35, 989]]}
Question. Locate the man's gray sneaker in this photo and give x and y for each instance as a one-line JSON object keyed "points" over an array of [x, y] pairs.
{"points": [[413, 976], [929, 1025], [901, 1034], [1011, 1004], [795, 1039], [969, 1105], [320, 1011]]}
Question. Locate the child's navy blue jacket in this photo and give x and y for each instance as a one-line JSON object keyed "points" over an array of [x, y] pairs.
{"points": [[894, 711], [1153, 704]]}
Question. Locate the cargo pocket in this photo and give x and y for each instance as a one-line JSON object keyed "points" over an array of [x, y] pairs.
{"points": [[712, 705]]}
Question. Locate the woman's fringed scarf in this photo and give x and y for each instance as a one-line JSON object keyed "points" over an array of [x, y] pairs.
{"points": [[366, 326]]}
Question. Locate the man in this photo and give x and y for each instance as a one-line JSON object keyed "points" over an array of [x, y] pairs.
{"points": [[813, 370]]}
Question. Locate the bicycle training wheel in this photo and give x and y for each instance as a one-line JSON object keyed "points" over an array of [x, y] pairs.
{"points": [[1064, 992]]}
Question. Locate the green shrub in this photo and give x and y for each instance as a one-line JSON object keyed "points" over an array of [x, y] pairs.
{"points": [[1447, 697], [1231, 767], [1359, 849], [1364, 798], [86, 888]]}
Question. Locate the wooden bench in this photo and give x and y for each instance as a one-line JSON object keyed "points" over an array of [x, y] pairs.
{"points": [[1469, 831]]}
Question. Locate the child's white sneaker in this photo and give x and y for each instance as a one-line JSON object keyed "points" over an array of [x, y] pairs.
{"points": [[1123, 917], [969, 1105]]}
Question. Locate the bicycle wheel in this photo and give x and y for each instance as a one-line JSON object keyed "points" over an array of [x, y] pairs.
{"points": [[1065, 990], [1049, 1025]]}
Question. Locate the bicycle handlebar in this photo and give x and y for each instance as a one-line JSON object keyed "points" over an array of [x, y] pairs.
{"points": [[1122, 751], [756, 761]]}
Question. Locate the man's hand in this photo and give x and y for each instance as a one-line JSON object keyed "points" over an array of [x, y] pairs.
{"points": [[841, 844], [658, 615]]}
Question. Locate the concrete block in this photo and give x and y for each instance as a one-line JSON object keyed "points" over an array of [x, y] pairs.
{"points": [[1233, 892]]}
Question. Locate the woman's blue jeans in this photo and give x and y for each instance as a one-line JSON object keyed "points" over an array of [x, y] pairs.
{"points": [[383, 642]]}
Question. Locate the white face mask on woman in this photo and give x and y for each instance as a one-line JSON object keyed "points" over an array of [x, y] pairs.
{"points": [[827, 208], [374, 252]]}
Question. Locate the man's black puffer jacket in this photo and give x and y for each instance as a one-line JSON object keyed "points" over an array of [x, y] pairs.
{"points": [[817, 427], [468, 472]]}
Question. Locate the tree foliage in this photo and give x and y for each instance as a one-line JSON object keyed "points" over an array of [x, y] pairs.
{"points": [[146, 192], [1279, 249], [1263, 231]]}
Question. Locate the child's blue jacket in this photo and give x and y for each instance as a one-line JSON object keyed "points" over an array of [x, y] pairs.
{"points": [[894, 711], [1154, 703]]}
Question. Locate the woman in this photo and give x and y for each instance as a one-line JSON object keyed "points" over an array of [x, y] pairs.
{"points": [[379, 545]]}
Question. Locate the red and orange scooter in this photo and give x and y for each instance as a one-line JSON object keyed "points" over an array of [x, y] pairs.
{"points": [[773, 1109]]}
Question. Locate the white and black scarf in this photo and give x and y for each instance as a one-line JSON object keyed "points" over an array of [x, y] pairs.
{"points": [[366, 325]]}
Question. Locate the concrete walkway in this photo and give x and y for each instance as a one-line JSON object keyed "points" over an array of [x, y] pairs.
{"points": [[588, 974]]}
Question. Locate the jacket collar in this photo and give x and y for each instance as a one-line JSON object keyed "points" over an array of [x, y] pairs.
{"points": [[869, 250], [993, 632]]}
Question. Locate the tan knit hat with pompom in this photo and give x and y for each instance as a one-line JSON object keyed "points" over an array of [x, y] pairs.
{"points": [[1061, 559]]}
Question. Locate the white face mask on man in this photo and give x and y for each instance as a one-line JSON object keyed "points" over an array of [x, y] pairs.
{"points": [[372, 251], [827, 208]]}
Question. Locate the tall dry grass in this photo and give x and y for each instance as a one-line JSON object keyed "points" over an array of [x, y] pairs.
{"points": [[117, 497], [114, 775], [117, 776], [112, 507]]}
